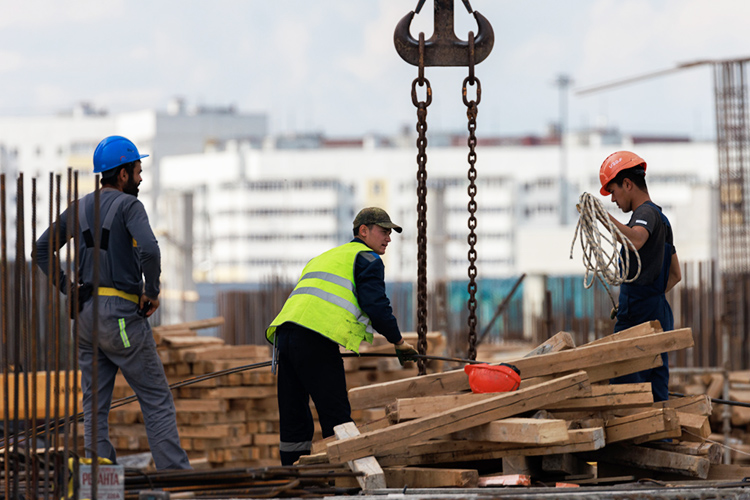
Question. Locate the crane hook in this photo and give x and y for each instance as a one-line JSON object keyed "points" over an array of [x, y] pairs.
{"points": [[443, 48]]}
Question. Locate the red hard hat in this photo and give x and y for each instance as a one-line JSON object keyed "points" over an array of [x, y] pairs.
{"points": [[493, 378], [616, 163]]}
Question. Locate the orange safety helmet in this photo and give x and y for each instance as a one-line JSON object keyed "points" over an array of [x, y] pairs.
{"points": [[616, 163], [484, 378]]}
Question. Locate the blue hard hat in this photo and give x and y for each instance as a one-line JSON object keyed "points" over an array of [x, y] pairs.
{"points": [[114, 151]]}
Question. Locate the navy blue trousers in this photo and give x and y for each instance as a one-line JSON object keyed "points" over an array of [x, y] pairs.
{"points": [[629, 316], [310, 366]]}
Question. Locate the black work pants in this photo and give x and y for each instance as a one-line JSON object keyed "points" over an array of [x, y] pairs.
{"points": [[310, 366]]}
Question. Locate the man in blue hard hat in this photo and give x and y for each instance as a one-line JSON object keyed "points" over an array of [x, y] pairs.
{"points": [[128, 293]]}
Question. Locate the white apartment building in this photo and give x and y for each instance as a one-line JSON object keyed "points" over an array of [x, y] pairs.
{"points": [[232, 205], [518, 199]]}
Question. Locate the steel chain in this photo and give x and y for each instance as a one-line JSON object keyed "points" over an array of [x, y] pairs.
{"points": [[471, 113], [421, 204]]}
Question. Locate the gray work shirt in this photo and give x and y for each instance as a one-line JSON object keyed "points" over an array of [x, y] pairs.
{"points": [[132, 250]]}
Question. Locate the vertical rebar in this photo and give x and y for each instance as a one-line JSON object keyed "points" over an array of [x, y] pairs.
{"points": [[56, 316], [33, 347], [95, 348], [4, 324], [19, 285], [50, 326], [74, 350], [72, 293]]}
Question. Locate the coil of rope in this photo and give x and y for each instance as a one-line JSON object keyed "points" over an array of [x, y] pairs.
{"points": [[601, 255]]}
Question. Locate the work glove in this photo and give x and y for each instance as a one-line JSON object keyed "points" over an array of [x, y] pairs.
{"points": [[405, 352]]}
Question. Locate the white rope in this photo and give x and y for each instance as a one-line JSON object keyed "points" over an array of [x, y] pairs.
{"points": [[601, 256]]}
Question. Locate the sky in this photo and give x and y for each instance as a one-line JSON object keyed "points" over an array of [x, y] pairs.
{"points": [[330, 65]]}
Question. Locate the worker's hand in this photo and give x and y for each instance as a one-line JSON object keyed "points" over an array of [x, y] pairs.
{"points": [[578, 207], [405, 352], [148, 306]]}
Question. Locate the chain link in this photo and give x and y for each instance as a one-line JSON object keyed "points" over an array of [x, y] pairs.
{"points": [[421, 204], [471, 114]]}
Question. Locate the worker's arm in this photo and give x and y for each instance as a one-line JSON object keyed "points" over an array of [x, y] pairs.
{"points": [[638, 235], [137, 224], [369, 278], [675, 273], [42, 251]]}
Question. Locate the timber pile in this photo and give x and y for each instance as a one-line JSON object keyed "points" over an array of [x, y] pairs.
{"points": [[564, 417], [233, 420], [738, 417]]}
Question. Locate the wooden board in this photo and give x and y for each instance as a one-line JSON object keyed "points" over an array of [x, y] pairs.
{"points": [[421, 477], [558, 342], [640, 424], [191, 325], [454, 451], [656, 460], [464, 417], [373, 476], [712, 451], [547, 364], [646, 328], [58, 386], [518, 430]]}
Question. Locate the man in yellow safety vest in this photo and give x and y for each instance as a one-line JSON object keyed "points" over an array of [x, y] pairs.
{"points": [[339, 300]]}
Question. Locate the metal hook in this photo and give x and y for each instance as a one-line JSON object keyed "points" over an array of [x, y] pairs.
{"points": [[444, 48]]}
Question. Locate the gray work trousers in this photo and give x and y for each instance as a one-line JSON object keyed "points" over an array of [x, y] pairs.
{"points": [[126, 343]]}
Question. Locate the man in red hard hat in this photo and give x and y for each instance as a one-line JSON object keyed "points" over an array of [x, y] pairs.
{"points": [[623, 176]]}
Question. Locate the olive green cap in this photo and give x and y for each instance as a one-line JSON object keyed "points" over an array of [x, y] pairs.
{"points": [[375, 215]]}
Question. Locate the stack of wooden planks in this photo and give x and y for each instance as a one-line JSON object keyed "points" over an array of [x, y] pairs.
{"points": [[735, 387], [233, 420], [564, 417]]}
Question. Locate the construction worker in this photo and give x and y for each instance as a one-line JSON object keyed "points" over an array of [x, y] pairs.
{"points": [[338, 301], [623, 176], [129, 252]]}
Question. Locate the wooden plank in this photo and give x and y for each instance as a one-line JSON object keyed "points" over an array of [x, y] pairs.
{"points": [[192, 325], [640, 424], [213, 431], [653, 459], [201, 405], [646, 328], [728, 472], [57, 385], [451, 451], [694, 427], [711, 451], [422, 477], [190, 341], [464, 417], [374, 477], [243, 352], [518, 430], [558, 342], [609, 396], [381, 423], [547, 364]]}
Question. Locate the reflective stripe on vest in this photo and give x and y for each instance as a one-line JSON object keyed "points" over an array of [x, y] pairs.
{"points": [[325, 299]]}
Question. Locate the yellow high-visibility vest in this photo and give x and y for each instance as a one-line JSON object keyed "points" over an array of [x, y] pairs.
{"points": [[325, 301]]}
